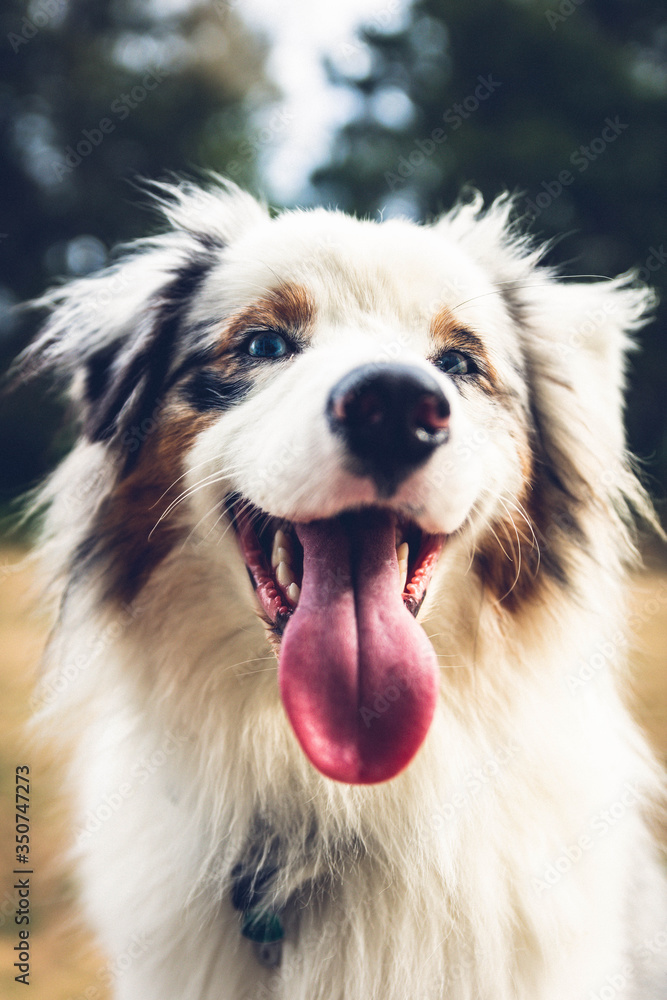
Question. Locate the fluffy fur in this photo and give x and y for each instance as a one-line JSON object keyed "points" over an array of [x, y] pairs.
{"points": [[512, 859]]}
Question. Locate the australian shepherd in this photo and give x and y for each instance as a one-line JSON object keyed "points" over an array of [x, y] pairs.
{"points": [[339, 561]]}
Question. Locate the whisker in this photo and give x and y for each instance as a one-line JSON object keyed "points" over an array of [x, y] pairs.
{"points": [[193, 530], [207, 481], [190, 489], [519, 284], [500, 544], [245, 505], [518, 560], [523, 514], [182, 476], [255, 659]]}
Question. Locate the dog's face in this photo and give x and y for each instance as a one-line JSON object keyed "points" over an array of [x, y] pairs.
{"points": [[339, 404], [358, 365], [365, 391]]}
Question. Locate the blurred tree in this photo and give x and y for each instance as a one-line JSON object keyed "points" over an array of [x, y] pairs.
{"points": [[562, 101], [93, 94]]}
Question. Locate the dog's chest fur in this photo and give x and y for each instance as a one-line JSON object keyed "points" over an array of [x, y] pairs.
{"points": [[416, 881]]}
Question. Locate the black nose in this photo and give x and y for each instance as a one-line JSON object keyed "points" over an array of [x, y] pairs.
{"points": [[391, 417]]}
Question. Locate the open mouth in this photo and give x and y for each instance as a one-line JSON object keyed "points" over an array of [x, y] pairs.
{"points": [[273, 554], [358, 675]]}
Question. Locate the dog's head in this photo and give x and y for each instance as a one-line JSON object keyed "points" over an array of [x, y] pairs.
{"points": [[355, 404]]}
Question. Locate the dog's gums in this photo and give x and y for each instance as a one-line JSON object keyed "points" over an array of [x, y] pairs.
{"points": [[345, 592], [274, 557]]}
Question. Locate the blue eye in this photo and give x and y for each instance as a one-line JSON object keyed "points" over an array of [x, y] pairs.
{"points": [[267, 344], [455, 363]]}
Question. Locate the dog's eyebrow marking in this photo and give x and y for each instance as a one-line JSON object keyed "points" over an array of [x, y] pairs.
{"points": [[288, 307], [448, 335]]}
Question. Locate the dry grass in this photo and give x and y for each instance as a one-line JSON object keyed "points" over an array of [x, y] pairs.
{"points": [[65, 965]]}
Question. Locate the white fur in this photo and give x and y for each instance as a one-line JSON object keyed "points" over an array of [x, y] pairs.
{"points": [[435, 885]]}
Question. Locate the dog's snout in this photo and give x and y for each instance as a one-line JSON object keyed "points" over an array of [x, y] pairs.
{"points": [[391, 417]]}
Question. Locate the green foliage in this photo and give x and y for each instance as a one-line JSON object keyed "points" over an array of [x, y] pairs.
{"points": [[94, 95], [562, 101]]}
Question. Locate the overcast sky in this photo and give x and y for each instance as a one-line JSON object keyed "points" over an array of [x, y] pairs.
{"points": [[302, 33]]}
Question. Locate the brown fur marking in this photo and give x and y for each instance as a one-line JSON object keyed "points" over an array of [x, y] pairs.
{"points": [[288, 308], [448, 335], [509, 560], [516, 565], [132, 510]]}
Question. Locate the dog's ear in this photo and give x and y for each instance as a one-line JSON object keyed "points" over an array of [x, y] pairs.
{"points": [[576, 338], [114, 336], [575, 333]]}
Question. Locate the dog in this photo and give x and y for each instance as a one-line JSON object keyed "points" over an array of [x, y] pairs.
{"points": [[339, 561]]}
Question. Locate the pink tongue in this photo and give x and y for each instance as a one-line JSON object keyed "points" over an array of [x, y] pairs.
{"points": [[358, 676]]}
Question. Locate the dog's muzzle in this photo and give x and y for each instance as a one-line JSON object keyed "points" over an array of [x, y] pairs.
{"points": [[358, 675]]}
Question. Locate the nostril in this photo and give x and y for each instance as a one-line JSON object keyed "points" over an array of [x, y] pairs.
{"points": [[356, 408], [430, 416]]}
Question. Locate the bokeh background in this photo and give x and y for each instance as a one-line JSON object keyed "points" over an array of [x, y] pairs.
{"points": [[383, 107], [380, 106]]}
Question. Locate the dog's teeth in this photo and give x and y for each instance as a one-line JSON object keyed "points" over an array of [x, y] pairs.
{"points": [[282, 549], [294, 592], [282, 540], [284, 575], [402, 553]]}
